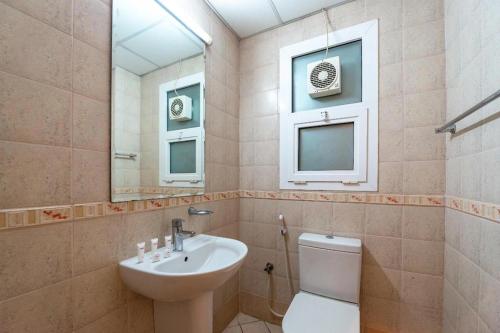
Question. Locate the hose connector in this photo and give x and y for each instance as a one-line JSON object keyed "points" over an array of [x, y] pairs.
{"points": [[269, 268]]}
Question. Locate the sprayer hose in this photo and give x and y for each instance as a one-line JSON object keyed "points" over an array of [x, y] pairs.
{"points": [[269, 282]]}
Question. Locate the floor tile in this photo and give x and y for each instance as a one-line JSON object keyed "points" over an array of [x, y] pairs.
{"points": [[244, 319], [256, 327], [274, 328], [234, 329], [234, 322]]}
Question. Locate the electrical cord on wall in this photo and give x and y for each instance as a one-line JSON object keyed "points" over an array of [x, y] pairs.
{"points": [[179, 69], [328, 24], [269, 268]]}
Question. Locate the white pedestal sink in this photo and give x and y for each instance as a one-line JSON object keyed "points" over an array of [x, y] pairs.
{"points": [[182, 285]]}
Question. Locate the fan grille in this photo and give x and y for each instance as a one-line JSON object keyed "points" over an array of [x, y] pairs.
{"points": [[176, 107], [323, 75]]}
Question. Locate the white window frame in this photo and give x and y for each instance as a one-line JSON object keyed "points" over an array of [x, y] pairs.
{"points": [[166, 178], [364, 115]]}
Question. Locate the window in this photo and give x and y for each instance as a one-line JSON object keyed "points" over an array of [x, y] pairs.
{"points": [[181, 142], [331, 142]]}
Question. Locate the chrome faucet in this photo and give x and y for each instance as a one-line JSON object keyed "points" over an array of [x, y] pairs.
{"points": [[178, 234], [194, 211]]}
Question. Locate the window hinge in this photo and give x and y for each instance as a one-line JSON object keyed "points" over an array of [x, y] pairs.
{"points": [[300, 182], [350, 182]]}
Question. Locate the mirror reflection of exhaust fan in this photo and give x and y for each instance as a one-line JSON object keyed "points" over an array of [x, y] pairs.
{"points": [[323, 77], [180, 108]]}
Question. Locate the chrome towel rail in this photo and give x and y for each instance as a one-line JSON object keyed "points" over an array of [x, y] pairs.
{"points": [[451, 125], [126, 156]]}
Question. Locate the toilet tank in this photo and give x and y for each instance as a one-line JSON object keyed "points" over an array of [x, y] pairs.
{"points": [[330, 267]]}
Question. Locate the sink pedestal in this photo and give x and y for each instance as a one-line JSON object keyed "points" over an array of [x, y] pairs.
{"points": [[191, 316]]}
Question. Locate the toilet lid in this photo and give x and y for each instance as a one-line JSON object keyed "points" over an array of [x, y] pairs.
{"points": [[318, 314]]}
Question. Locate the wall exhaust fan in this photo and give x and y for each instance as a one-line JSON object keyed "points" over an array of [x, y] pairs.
{"points": [[323, 77], [180, 108]]}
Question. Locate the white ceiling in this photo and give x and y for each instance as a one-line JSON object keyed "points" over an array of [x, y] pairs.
{"points": [[248, 17], [146, 37]]}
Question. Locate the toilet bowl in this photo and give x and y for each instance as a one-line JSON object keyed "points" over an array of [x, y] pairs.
{"points": [[330, 276], [318, 314]]}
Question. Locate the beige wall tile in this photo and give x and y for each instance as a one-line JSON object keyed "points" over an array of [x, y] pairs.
{"points": [[34, 258], [468, 281], [423, 177], [43, 55], [91, 74], [425, 109], [390, 146], [388, 13], [391, 113], [490, 248], [382, 315], [383, 220], [470, 236], [381, 283], [382, 251], [141, 227], [114, 322], [317, 215], [424, 74], [423, 256], [450, 305], [390, 47], [424, 11], [489, 299], [422, 289], [90, 176], [265, 211], [91, 123], [416, 319], [467, 318], [390, 177], [390, 80], [56, 13], [92, 20], [422, 144], [348, 218], [95, 294], [292, 212], [34, 175], [451, 264], [33, 112], [139, 313], [425, 223], [423, 40], [45, 310], [96, 243]]}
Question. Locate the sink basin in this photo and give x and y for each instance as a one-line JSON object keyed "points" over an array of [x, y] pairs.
{"points": [[205, 264], [182, 285]]}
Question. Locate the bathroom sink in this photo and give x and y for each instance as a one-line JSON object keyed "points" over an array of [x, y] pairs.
{"points": [[205, 264]]}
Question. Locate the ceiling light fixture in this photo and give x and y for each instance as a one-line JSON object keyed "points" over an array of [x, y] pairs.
{"points": [[185, 20]]}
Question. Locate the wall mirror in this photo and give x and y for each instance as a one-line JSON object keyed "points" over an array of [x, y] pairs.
{"points": [[157, 103]]}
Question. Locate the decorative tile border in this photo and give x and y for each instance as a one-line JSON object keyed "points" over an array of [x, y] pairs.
{"points": [[485, 210], [375, 198], [16, 218]]}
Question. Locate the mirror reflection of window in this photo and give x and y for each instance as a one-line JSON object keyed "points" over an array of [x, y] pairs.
{"points": [[150, 47]]}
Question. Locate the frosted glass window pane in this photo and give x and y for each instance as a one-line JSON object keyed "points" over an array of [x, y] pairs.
{"points": [[325, 148], [183, 157]]}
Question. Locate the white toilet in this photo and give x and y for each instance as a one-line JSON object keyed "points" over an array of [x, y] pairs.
{"points": [[330, 276]]}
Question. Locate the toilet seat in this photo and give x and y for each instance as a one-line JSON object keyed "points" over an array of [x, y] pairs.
{"points": [[312, 313]]}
